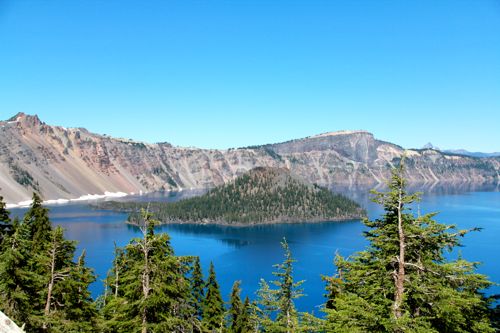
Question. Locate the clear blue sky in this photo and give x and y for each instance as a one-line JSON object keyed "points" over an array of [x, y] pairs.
{"points": [[220, 74]]}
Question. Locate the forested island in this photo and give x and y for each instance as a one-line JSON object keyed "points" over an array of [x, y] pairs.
{"points": [[260, 196]]}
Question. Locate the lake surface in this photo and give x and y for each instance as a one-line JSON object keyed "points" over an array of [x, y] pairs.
{"points": [[248, 254]]}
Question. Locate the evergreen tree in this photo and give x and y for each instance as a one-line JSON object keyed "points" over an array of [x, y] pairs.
{"points": [[16, 279], [213, 306], [279, 303], [197, 287], [80, 313], [245, 318], [24, 267], [40, 284], [148, 290], [58, 263], [265, 308], [38, 224], [287, 291], [5, 222], [238, 320], [4, 213], [402, 281]]}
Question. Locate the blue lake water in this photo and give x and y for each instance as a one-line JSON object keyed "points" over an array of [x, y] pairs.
{"points": [[248, 254]]}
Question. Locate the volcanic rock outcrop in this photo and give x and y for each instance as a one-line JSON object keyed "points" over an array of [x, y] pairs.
{"points": [[67, 163]]}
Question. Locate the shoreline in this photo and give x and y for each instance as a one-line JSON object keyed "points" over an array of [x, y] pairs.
{"points": [[331, 187], [85, 197], [255, 224], [94, 197]]}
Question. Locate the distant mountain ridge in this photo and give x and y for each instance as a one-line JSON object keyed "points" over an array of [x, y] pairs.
{"points": [[461, 151], [67, 163], [470, 153]]}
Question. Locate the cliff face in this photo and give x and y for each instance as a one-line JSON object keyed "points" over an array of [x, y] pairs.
{"points": [[69, 163]]}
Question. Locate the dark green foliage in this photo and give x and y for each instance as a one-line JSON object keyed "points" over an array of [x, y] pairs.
{"points": [[287, 290], [23, 177], [495, 314], [437, 295], [263, 195], [16, 279], [149, 292], [239, 312], [38, 224], [272, 153], [213, 306], [65, 288], [197, 287], [5, 222], [81, 314], [265, 308], [236, 310], [4, 213], [245, 317], [277, 312], [40, 284]]}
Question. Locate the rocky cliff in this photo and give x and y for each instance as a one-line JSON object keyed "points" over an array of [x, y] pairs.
{"points": [[66, 163]]}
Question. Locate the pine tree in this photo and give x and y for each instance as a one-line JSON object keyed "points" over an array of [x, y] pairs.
{"points": [[403, 282], [16, 279], [265, 308], [4, 213], [197, 287], [5, 222], [38, 224], [236, 310], [112, 302], [278, 303], [287, 291], [245, 318], [148, 290], [213, 306], [58, 262], [40, 284], [23, 268], [80, 314]]}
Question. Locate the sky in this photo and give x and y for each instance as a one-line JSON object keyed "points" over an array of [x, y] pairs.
{"points": [[220, 74]]}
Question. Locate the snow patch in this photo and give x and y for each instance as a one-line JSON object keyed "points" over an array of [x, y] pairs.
{"points": [[106, 194], [20, 204], [9, 206], [56, 202], [87, 197]]}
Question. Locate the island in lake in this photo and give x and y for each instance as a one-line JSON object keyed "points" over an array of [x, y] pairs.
{"points": [[260, 196]]}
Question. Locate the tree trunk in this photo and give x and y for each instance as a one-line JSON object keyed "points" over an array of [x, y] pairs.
{"points": [[145, 284], [117, 272], [400, 275], [117, 269], [288, 321], [50, 286]]}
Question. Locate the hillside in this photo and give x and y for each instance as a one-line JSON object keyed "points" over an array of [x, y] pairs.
{"points": [[263, 195], [67, 163]]}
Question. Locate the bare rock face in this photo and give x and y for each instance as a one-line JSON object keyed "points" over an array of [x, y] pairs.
{"points": [[69, 163]]}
